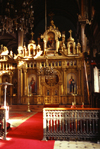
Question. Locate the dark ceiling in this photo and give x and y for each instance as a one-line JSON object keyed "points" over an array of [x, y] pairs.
{"points": [[65, 18]]}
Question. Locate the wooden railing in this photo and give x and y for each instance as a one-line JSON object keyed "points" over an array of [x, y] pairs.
{"points": [[67, 123], [3, 128]]}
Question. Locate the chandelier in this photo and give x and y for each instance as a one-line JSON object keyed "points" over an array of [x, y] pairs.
{"points": [[12, 20], [47, 71]]}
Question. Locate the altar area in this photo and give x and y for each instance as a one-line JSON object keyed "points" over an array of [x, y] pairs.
{"points": [[51, 73]]}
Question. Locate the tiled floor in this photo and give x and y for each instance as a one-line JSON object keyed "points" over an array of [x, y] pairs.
{"points": [[76, 145]]}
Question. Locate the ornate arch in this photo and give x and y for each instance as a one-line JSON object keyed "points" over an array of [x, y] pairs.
{"points": [[43, 82], [57, 35]]}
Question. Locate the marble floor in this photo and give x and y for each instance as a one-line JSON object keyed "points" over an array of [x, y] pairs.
{"points": [[76, 145]]}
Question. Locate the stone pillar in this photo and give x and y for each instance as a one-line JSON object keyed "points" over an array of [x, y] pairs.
{"points": [[83, 37], [20, 38]]}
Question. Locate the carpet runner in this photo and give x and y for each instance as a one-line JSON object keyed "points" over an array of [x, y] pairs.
{"points": [[32, 128], [29, 135]]}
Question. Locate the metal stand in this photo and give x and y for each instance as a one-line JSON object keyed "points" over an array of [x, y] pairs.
{"points": [[74, 97], [28, 110], [5, 90]]}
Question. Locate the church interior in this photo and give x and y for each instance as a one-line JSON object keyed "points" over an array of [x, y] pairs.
{"points": [[49, 53]]}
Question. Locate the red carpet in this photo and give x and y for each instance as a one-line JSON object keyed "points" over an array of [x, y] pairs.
{"points": [[28, 135], [30, 129], [16, 143]]}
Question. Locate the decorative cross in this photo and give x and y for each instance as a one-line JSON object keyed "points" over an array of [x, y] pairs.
{"points": [[32, 35], [51, 14], [70, 31]]}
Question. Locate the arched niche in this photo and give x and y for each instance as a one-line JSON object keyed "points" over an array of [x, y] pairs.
{"points": [[50, 39], [71, 44]]}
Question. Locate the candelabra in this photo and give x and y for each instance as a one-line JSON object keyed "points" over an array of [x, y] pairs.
{"points": [[28, 110], [5, 84], [74, 97]]}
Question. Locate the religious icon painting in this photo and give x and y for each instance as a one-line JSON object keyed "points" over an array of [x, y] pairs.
{"points": [[71, 83], [51, 45], [32, 84]]}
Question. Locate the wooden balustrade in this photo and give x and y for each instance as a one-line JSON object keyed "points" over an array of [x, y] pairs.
{"points": [[68, 123]]}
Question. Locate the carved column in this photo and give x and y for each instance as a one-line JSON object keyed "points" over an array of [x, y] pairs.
{"points": [[29, 51], [39, 91], [3, 66], [42, 80], [79, 87], [45, 42], [82, 74], [57, 45], [60, 101], [19, 85], [25, 84], [83, 36], [64, 82], [11, 89], [0, 66]]}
